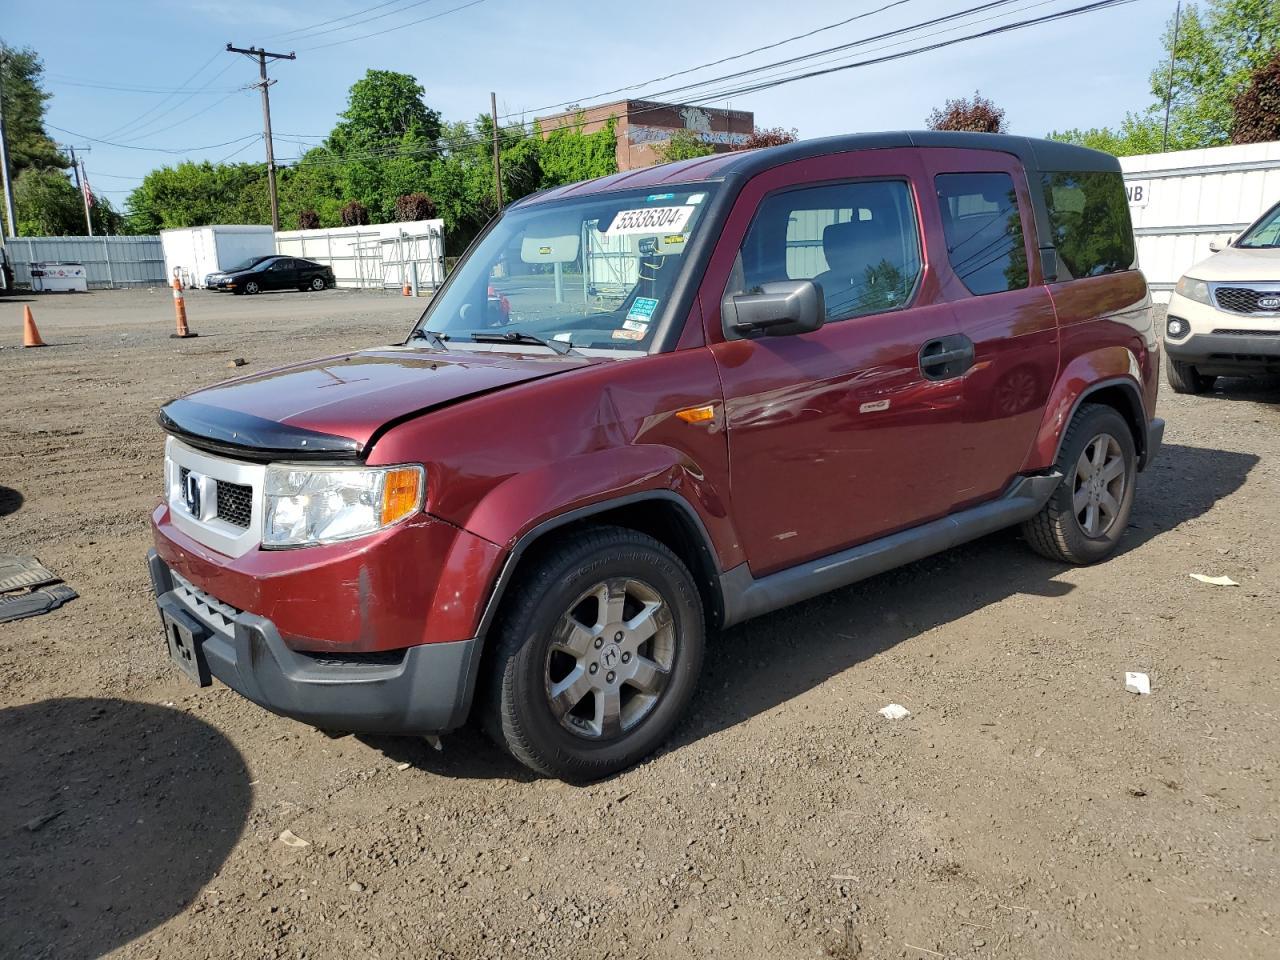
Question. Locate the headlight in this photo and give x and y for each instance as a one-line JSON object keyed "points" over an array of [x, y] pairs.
{"points": [[307, 505], [1193, 289]]}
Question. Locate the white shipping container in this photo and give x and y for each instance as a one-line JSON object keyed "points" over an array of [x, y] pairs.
{"points": [[197, 252]]}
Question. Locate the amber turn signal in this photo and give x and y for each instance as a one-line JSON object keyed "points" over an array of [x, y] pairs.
{"points": [[697, 414], [401, 493]]}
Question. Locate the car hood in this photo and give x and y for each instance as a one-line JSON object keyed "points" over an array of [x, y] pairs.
{"points": [[336, 406], [1239, 263]]}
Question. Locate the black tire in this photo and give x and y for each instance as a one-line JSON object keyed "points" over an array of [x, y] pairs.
{"points": [[1185, 378], [251, 287], [318, 283], [519, 714], [1057, 531]]}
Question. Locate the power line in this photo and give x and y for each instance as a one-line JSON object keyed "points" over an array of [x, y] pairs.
{"points": [[149, 129], [186, 84], [347, 26], [399, 26], [322, 23], [722, 93], [715, 63], [169, 150], [56, 79]]}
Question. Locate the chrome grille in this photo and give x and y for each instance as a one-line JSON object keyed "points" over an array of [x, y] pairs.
{"points": [[1245, 300], [235, 503]]}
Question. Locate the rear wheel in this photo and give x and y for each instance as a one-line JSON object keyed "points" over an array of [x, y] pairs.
{"points": [[1084, 519], [1185, 378], [597, 655], [317, 283]]}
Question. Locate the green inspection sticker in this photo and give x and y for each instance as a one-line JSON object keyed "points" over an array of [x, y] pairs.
{"points": [[642, 309]]}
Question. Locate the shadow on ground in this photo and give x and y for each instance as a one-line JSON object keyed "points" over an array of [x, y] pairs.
{"points": [[10, 501], [759, 665], [1258, 389], [114, 815]]}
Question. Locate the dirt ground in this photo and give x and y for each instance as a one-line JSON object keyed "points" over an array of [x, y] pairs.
{"points": [[1029, 807]]}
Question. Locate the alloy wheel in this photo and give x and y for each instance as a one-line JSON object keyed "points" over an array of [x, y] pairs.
{"points": [[610, 659], [250, 287], [1099, 485], [317, 284]]}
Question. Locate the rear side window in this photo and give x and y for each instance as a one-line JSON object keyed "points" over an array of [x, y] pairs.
{"points": [[1089, 223], [983, 230], [857, 241]]}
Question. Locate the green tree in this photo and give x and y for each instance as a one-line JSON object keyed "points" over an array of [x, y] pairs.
{"points": [[195, 194], [24, 106], [1219, 47], [683, 145]]}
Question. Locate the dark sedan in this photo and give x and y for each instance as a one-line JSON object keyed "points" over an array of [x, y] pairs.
{"points": [[272, 273]]}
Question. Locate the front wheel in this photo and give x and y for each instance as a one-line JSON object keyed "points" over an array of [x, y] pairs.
{"points": [[251, 287], [1084, 519], [597, 655], [1185, 378]]}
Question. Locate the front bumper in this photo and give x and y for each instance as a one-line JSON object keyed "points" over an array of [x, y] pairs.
{"points": [[425, 689], [1226, 353]]}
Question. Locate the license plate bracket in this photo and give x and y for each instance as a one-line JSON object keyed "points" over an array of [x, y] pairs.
{"points": [[185, 640]]}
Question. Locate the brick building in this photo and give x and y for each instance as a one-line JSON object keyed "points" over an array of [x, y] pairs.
{"points": [[643, 125]]}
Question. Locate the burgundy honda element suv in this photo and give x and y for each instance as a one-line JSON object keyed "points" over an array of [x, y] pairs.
{"points": [[653, 405]]}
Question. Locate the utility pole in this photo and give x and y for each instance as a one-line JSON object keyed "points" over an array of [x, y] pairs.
{"points": [[497, 163], [257, 53], [84, 197], [1173, 57], [4, 160]]}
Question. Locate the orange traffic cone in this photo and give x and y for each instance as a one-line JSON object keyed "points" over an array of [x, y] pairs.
{"points": [[30, 335]]}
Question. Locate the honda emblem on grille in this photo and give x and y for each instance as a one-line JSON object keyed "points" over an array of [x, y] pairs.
{"points": [[1269, 303], [200, 495]]}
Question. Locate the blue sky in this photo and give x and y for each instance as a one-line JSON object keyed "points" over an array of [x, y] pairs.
{"points": [[1085, 71]]}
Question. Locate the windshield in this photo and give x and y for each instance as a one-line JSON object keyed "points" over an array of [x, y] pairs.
{"points": [[1265, 232], [595, 272], [247, 264]]}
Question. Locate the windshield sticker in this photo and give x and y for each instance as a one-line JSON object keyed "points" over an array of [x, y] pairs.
{"points": [[642, 309], [639, 326], [655, 197], [628, 335], [695, 198], [650, 220]]}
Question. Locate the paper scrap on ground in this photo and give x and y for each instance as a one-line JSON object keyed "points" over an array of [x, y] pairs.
{"points": [[1138, 683], [1216, 581], [291, 839], [894, 711]]}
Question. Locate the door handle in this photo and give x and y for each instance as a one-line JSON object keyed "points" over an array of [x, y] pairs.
{"points": [[946, 357]]}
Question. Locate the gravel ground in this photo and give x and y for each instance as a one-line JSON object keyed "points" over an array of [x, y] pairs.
{"points": [[1029, 807]]}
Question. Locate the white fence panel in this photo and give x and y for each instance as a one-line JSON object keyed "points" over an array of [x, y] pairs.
{"points": [[375, 256], [1181, 202]]}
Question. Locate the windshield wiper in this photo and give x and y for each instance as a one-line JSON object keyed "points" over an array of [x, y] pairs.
{"points": [[513, 336], [434, 340]]}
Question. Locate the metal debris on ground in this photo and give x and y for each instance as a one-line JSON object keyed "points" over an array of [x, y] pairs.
{"points": [[28, 588], [894, 711], [1138, 683], [1215, 581]]}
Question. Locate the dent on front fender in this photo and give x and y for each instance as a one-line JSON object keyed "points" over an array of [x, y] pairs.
{"points": [[524, 501], [1106, 365]]}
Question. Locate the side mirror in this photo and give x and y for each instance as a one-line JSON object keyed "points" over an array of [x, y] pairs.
{"points": [[1216, 247], [776, 309]]}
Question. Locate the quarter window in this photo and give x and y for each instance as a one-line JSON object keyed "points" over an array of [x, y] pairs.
{"points": [[983, 230], [1089, 222], [857, 241]]}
